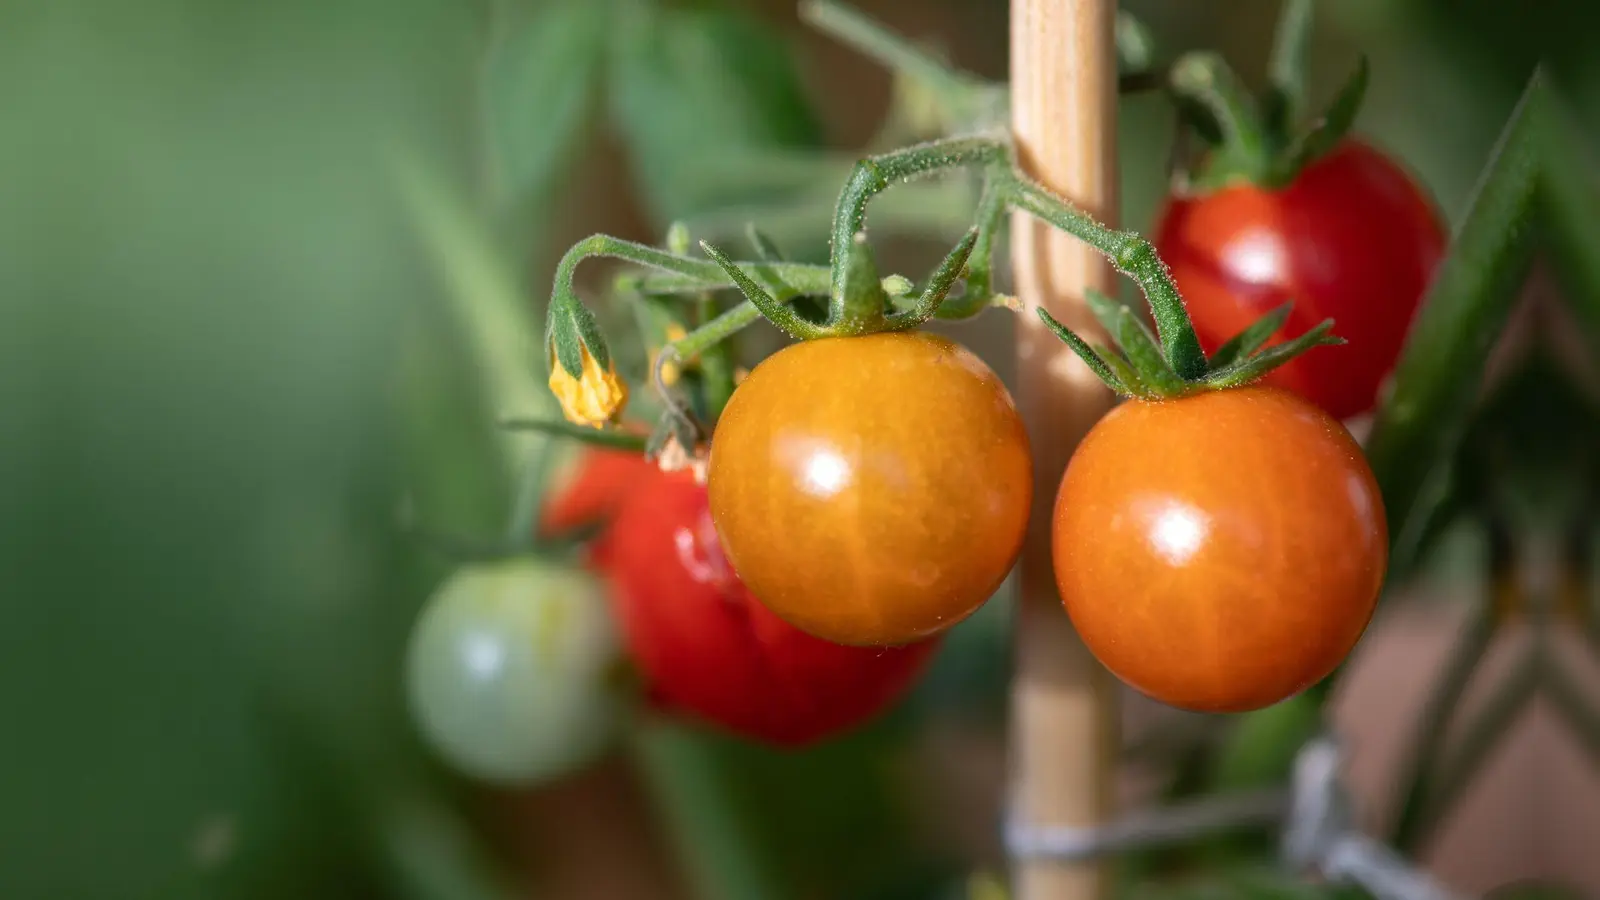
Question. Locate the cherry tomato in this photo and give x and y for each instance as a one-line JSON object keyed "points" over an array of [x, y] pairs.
{"points": [[509, 670], [1220, 552], [871, 490], [1352, 238], [592, 490], [707, 648]]}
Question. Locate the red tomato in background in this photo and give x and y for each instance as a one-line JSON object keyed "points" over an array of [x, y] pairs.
{"points": [[1352, 238], [594, 489], [707, 647]]}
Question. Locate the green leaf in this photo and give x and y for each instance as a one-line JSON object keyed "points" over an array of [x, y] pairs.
{"points": [[1251, 339], [1429, 404], [694, 91], [1106, 365], [1247, 370], [1326, 132], [1569, 196], [1138, 345], [538, 93]]}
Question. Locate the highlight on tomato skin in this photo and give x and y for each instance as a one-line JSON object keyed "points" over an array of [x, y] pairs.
{"points": [[871, 490], [1220, 552], [707, 648], [1353, 238]]}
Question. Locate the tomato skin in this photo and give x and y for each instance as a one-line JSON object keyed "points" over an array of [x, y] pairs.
{"points": [[708, 648], [1352, 238], [1221, 552], [594, 489], [509, 670], [871, 490]]}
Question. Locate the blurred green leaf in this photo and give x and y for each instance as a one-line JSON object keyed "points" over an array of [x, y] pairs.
{"points": [[1425, 413], [539, 85], [694, 90]]}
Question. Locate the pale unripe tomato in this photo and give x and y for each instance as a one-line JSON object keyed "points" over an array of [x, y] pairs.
{"points": [[508, 671]]}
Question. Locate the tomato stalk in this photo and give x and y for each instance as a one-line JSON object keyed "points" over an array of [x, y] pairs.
{"points": [[962, 97]]}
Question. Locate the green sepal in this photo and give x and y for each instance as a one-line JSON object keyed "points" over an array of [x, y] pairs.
{"points": [[786, 319], [1251, 339], [1099, 364], [569, 328], [863, 291], [1137, 344], [612, 438], [939, 284], [1330, 128], [1253, 367]]}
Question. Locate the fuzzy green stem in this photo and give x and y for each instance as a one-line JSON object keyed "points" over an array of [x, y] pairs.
{"points": [[1132, 255], [871, 177]]}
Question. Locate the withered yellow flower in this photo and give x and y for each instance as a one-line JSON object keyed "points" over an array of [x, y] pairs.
{"points": [[598, 397]]}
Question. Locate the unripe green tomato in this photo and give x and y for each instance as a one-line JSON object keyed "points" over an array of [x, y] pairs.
{"points": [[509, 670]]}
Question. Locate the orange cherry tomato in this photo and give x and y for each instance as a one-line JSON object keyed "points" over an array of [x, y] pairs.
{"points": [[871, 490], [1220, 552]]}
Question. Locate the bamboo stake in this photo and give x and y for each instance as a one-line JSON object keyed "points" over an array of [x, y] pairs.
{"points": [[1063, 707]]}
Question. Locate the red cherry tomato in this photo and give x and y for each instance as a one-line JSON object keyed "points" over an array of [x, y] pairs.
{"points": [[1220, 552], [593, 489], [1352, 238], [872, 490], [708, 648]]}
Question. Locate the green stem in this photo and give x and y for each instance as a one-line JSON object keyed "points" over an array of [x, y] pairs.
{"points": [[1456, 772], [872, 176], [1425, 414], [871, 39], [699, 815], [1569, 700], [1205, 79], [1132, 255], [716, 365], [1418, 769], [1286, 69], [599, 437]]}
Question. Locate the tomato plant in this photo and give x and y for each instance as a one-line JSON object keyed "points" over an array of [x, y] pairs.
{"points": [[509, 670], [871, 490], [1351, 237], [706, 647], [1222, 551]]}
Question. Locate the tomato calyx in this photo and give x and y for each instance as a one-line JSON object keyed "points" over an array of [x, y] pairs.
{"points": [[1261, 139], [1139, 367]]}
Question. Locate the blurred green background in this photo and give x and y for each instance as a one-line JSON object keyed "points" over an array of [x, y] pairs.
{"points": [[230, 357]]}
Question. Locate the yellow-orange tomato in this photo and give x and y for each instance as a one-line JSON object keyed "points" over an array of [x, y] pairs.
{"points": [[1220, 552], [871, 490]]}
